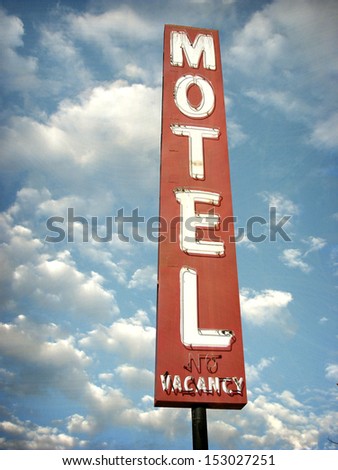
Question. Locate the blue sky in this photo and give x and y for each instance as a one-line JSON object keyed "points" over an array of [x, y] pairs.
{"points": [[80, 129]]}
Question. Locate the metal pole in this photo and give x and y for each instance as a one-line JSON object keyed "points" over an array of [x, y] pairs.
{"points": [[199, 428]]}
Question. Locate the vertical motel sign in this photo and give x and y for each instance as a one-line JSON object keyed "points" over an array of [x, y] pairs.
{"points": [[199, 350]]}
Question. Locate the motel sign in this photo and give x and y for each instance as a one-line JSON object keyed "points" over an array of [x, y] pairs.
{"points": [[199, 349]]}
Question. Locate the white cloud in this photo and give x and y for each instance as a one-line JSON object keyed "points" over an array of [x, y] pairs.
{"points": [[253, 372], [281, 100], [288, 398], [144, 278], [311, 30], [106, 404], [32, 278], [109, 406], [172, 422], [325, 133], [256, 43], [245, 242], [133, 71], [308, 29], [267, 307], [279, 427], [29, 436], [332, 372], [18, 72], [78, 424], [135, 377], [120, 37], [334, 260], [100, 130], [115, 24], [223, 433], [44, 356], [67, 70], [131, 335], [56, 283], [272, 420], [236, 134], [292, 258], [282, 211], [105, 258], [283, 205], [42, 359], [106, 376], [315, 244], [28, 199], [19, 248]]}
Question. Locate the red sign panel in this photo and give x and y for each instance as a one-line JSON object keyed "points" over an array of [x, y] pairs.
{"points": [[199, 350]]}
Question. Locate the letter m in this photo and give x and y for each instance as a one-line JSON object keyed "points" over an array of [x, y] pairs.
{"points": [[203, 44]]}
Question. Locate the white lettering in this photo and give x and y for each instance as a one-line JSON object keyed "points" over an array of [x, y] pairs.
{"points": [[190, 220], [191, 335], [186, 382], [238, 383], [165, 381], [203, 43], [177, 385], [196, 155], [224, 385], [207, 104], [213, 384], [201, 384]]}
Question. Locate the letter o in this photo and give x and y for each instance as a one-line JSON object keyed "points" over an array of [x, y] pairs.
{"points": [[207, 103]]}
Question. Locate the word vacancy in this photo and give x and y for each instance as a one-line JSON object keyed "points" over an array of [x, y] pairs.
{"points": [[199, 349]]}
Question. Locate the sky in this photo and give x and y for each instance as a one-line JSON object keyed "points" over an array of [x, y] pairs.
{"points": [[80, 145]]}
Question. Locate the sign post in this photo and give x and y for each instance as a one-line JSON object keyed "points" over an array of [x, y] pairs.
{"points": [[199, 350], [199, 428]]}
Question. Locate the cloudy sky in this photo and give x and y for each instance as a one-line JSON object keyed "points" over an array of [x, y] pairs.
{"points": [[80, 133]]}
